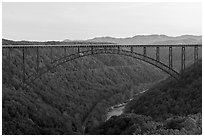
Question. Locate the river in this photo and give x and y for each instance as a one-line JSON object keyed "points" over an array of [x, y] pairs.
{"points": [[117, 110]]}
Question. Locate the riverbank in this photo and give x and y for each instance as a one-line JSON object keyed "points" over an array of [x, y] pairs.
{"points": [[118, 109]]}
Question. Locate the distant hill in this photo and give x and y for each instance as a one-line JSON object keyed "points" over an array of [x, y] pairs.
{"points": [[151, 39], [179, 41], [65, 42], [137, 40]]}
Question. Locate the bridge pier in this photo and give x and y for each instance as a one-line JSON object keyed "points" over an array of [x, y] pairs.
{"points": [[195, 55], [51, 55], [144, 52], [9, 57], [118, 49], [182, 60], [131, 49], [23, 66], [157, 54], [9, 63], [37, 60], [170, 58], [105, 49], [78, 49], [92, 50], [65, 51]]}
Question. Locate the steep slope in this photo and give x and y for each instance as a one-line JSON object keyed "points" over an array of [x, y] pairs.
{"points": [[170, 107], [172, 97]]}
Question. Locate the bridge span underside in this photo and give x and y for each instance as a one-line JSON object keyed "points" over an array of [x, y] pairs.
{"points": [[123, 50]]}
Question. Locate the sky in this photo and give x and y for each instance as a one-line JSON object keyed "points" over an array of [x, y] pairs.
{"points": [[80, 21]]}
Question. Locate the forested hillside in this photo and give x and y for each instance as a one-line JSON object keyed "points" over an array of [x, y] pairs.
{"points": [[169, 107], [71, 98], [171, 97]]}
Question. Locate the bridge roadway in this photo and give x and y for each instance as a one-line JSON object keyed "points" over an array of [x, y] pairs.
{"points": [[99, 45]]}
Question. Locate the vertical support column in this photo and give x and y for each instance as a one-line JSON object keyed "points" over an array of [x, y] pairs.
{"points": [[51, 55], [157, 54], [144, 52], [131, 49], [23, 66], [182, 60], [105, 49], [118, 49], [195, 55], [65, 51], [78, 49], [9, 58], [9, 63], [170, 58], [37, 60], [92, 50]]}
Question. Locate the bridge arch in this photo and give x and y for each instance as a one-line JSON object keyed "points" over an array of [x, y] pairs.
{"points": [[95, 51]]}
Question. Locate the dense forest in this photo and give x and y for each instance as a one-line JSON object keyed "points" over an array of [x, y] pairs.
{"points": [[72, 98], [169, 107]]}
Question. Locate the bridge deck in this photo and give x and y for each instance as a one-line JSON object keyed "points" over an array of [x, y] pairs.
{"points": [[97, 45]]}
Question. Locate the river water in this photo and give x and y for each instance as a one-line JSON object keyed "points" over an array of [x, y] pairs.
{"points": [[117, 110]]}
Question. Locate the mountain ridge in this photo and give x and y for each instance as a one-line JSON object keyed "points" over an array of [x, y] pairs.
{"points": [[136, 40], [150, 39]]}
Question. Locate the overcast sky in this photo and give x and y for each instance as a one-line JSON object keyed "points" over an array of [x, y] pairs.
{"points": [[59, 21]]}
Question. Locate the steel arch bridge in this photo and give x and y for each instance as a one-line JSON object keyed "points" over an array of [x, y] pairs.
{"points": [[93, 49]]}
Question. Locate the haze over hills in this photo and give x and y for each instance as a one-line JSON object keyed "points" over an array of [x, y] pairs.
{"points": [[151, 39], [136, 40]]}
